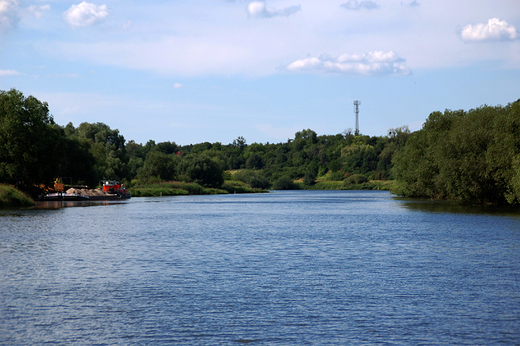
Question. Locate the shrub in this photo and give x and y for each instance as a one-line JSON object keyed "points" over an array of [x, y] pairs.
{"points": [[355, 179], [11, 197], [253, 178], [284, 183]]}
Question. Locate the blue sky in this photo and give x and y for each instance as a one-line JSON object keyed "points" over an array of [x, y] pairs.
{"points": [[195, 71]]}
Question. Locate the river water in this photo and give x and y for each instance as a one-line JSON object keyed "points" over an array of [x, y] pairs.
{"points": [[284, 268]]}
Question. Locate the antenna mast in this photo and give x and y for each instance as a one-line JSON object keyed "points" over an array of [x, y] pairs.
{"points": [[356, 110]]}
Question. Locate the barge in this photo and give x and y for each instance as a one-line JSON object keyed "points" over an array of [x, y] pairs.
{"points": [[111, 190]]}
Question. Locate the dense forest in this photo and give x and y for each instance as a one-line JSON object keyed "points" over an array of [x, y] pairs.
{"points": [[471, 156]]}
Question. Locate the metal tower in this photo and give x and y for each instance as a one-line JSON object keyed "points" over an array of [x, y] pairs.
{"points": [[356, 110]]}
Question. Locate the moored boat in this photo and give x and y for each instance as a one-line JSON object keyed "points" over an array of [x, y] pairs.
{"points": [[64, 196], [114, 187], [111, 190]]}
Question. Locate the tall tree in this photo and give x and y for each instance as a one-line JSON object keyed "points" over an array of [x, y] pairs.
{"points": [[31, 145]]}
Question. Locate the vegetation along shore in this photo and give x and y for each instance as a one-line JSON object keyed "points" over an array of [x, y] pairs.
{"points": [[470, 156], [11, 197]]}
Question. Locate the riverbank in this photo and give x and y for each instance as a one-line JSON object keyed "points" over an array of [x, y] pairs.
{"points": [[385, 185], [175, 188], [11, 197]]}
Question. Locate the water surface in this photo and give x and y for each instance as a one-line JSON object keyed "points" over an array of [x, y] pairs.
{"points": [[285, 268]]}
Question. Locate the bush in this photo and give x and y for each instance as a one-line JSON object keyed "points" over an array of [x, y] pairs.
{"points": [[234, 186], [355, 179], [335, 176], [309, 178], [151, 192], [253, 178], [11, 197], [284, 183]]}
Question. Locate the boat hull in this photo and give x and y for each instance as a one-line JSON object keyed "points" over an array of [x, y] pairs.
{"points": [[65, 197]]}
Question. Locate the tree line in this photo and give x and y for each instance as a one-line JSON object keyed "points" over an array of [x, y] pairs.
{"points": [[469, 156], [34, 151]]}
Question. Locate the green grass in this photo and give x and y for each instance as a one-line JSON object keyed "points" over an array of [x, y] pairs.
{"points": [[321, 185], [10, 197], [371, 185], [175, 188], [339, 185], [156, 192], [235, 186]]}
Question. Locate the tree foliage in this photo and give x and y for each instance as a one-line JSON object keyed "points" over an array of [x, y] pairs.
{"points": [[31, 144], [468, 156], [202, 170]]}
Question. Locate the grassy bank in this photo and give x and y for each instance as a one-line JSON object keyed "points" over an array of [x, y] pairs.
{"points": [[371, 185], [174, 188], [10, 197], [340, 185]]}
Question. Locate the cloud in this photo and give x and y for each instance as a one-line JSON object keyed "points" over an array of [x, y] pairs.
{"points": [[494, 30], [414, 3], [372, 63], [8, 15], [127, 25], [178, 85], [357, 5], [9, 73], [258, 9], [85, 14], [38, 11]]}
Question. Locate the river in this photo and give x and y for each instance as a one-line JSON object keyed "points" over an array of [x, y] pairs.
{"points": [[284, 268]]}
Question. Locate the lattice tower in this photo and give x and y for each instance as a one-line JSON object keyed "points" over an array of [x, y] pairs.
{"points": [[356, 110]]}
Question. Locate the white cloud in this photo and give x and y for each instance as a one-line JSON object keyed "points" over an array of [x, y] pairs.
{"points": [[181, 56], [372, 63], [178, 85], [38, 11], [9, 73], [411, 4], [85, 14], [127, 25], [8, 15], [357, 5], [258, 9], [494, 30]]}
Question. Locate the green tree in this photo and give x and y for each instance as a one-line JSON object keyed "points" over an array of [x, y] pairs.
{"points": [[310, 176], [284, 183], [201, 170], [467, 156], [108, 148], [159, 165], [254, 162], [31, 145], [166, 147], [255, 179]]}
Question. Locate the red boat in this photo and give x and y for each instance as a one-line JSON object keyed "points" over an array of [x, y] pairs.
{"points": [[115, 187]]}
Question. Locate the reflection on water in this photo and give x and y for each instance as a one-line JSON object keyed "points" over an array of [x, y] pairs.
{"points": [[72, 204], [426, 205]]}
